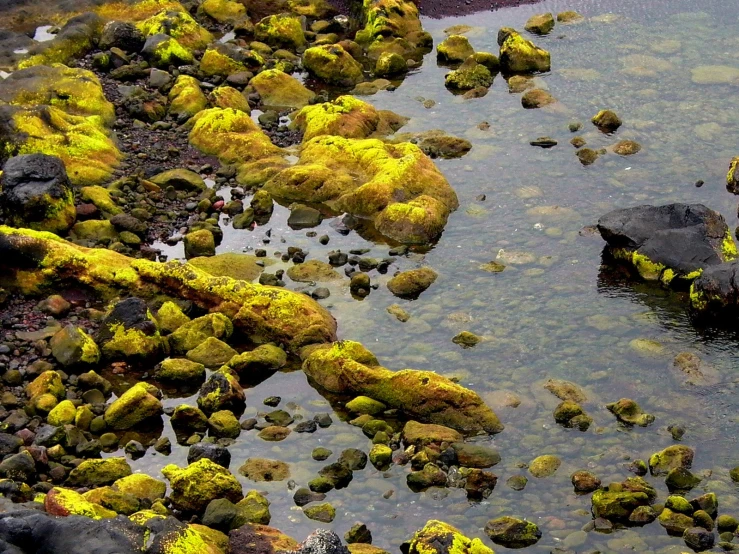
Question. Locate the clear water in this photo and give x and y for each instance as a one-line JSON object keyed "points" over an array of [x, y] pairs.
{"points": [[557, 315]]}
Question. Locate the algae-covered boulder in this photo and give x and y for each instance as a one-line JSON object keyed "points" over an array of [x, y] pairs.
{"points": [[178, 24], [162, 50], [141, 486], [49, 382], [211, 353], [72, 347], [226, 59], [332, 64], [732, 177], [454, 49], [180, 370], [263, 313], [422, 434], [347, 117], [390, 18], [229, 97], [231, 135], [437, 537], [346, 367], [540, 24], [192, 333], [194, 486], [389, 64], [437, 143], [716, 291], [607, 121], [278, 89], [36, 193], [232, 264], [66, 502], [170, 317], [614, 504], [98, 473], [519, 55], [410, 284], [134, 406], [470, 75], [512, 532], [186, 98], [281, 31], [199, 243], [672, 457], [130, 332], [629, 412], [223, 11], [313, 271], [673, 241], [263, 360], [180, 178], [75, 39], [222, 392], [253, 537]]}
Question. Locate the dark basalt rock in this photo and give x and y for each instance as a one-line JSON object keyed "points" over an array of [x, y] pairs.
{"points": [[121, 35], [321, 541], [213, 452], [664, 242]]}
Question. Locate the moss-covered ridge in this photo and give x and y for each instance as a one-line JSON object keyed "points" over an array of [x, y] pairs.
{"points": [[34, 261], [347, 367]]}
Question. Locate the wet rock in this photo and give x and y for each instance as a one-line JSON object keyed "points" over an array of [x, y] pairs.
{"points": [[512, 532], [536, 98], [617, 504], [98, 473], [626, 148], [260, 469], [681, 479], [420, 434], [430, 476], [353, 458], [698, 539], [672, 457], [480, 484], [36, 193], [544, 142], [607, 121], [332, 64], [410, 284], [380, 456], [675, 523], [437, 537], [337, 474], [129, 331], [180, 370], [565, 390], [161, 51], [399, 313], [19, 467], [475, 455], [365, 405], [313, 271], [304, 217], [454, 49], [136, 405], [540, 24], [571, 414], [72, 347], [253, 537], [209, 451], [585, 481], [321, 541], [211, 353], [518, 55], [569, 16], [470, 75], [465, 339], [199, 243], [191, 334], [629, 412], [196, 485], [324, 513], [544, 466], [643, 515]]}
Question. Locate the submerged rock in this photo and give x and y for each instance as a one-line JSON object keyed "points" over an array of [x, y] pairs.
{"points": [[512, 532], [668, 242], [410, 284], [628, 411], [672, 457]]}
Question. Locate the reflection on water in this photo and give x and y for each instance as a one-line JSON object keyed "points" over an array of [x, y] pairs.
{"points": [[553, 312]]}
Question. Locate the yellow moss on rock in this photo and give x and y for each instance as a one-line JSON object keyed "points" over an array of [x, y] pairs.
{"points": [[178, 24], [519, 55], [438, 537], [383, 18], [332, 64], [229, 97], [281, 31], [279, 89], [423, 395], [231, 135], [100, 197], [134, 406], [186, 98], [66, 502], [223, 11], [194, 486], [346, 116], [216, 62], [136, 11]]}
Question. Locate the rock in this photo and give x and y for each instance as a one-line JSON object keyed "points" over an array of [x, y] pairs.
{"points": [[36, 193], [358, 533], [512, 532], [544, 466], [199, 243], [123, 35], [222, 392], [223, 11], [161, 51], [98, 473], [585, 481], [129, 331], [571, 414], [475, 455], [49, 382], [570, 16], [136, 405], [647, 236], [180, 370], [211, 353], [141, 486], [410, 284], [54, 305], [518, 55], [626, 148], [565, 390], [540, 24], [465, 339], [389, 64], [303, 217], [674, 522], [365, 405], [399, 313], [262, 361], [348, 368], [672, 457], [469, 76], [253, 537], [437, 144], [430, 476], [72, 347], [209, 451], [19, 467], [353, 458], [332, 64], [63, 414], [706, 502], [324, 513], [260, 469], [536, 98], [617, 505], [419, 434], [337, 475], [607, 121], [454, 49], [587, 156], [380, 456], [195, 486], [280, 90], [281, 31], [699, 539], [274, 433], [628, 411], [313, 271], [437, 537], [193, 333], [321, 541], [186, 99], [254, 508], [223, 424], [180, 179]]}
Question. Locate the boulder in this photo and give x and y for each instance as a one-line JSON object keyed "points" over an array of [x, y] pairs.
{"points": [[134, 406], [470, 75], [170, 317], [437, 537], [222, 392], [123, 35], [199, 243], [130, 332], [629, 412], [260, 469], [223, 11], [617, 505], [194, 332], [281, 31], [410, 284], [673, 241], [519, 55], [333, 64], [186, 99], [280, 90], [262, 361], [229, 97], [180, 370], [251, 538], [512, 532], [672, 457], [178, 24], [98, 473], [211, 353], [36, 193], [540, 24], [454, 49], [196, 485], [72, 347], [162, 51]]}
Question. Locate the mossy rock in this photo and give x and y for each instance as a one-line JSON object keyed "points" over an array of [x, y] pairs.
{"points": [[62, 414], [519, 55], [540, 24], [544, 466], [420, 434], [672, 457], [223, 60], [72, 347], [264, 359], [49, 382], [98, 473], [454, 49], [229, 97], [628, 411], [617, 505], [333, 64], [280, 90], [192, 333], [179, 25], [223, 11], [437, 537], [112, 499], [194, 486], [313, 271], [222, 392], [512, 532], [100, 197], [170, 317], [186, 99], [347, 367], [393, 18], [223, 424], [187, 420], [470, 75], [134, 406], [389, 64], [254, 508], [66, 502], [325, 512], [162, 51], [365, 405], [675, 523], [281, 31], [261, 470], [141, 486], [410, 284], [180, 370], [212, 352], [607, 121]]}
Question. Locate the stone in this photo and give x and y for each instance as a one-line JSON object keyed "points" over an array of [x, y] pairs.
{"points": [[475, 455], [437, 537], [470, 75], [512, 532], [180, 370], [629, 412], [607, 121], [98, 473], [544, 466], [211, 353], [585, 481], [195, 486], [540, 24], [410, 284], [260, 469], [536, 98], [324, 512], [332, 64], [205, 450], [280, 90], [73, 347], [191, 334], [199, 243], [518, 55], [136, 405], [454, 50], [420, 434], [672, 457], [129, 332], [430, 476]]}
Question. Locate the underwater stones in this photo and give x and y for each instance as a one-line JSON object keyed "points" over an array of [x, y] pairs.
{"points": [[196, 485], [512, 532], [584, 481], [699, 539], [134, 406], [470, 75], [437, 537], [36, 193], [629, 412], [477, 456], [669, 241], [465, 339], [410, 284], [565, 390], [230, 264], [332, 64], [278, 89], [607, 121], [571, 414], [98, 473], [544, 466], [540, 24], [536, 98], [519, 55], [231, 135], [221, 392], [281, 31], [260, 469], [569, 16], [626, 148], [454, 49], [693, 371], [430, 476], [715, 75], [672, 457], [72, 347], [348, 368]]}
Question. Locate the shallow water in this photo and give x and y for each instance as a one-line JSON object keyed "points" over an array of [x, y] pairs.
{"points": [[556, 315]]}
